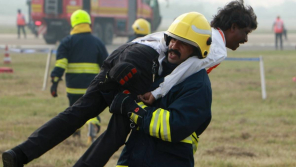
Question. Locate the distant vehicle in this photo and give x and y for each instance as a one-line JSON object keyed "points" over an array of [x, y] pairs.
{"points": [[110, 18]]}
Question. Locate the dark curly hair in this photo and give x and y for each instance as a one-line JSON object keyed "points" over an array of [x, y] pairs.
{"points": [[235, 12]]}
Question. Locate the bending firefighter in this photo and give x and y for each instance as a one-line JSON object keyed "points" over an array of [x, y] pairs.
{"points": [[80, 56]]}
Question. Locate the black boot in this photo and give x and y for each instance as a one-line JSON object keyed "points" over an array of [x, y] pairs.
{"points": [[14, 158]]}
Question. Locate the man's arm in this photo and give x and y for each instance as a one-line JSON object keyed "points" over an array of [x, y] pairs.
{"points": [[60, 66]]}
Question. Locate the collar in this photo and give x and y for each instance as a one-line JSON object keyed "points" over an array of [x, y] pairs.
{"points": [[80, 28], [222, 35]]}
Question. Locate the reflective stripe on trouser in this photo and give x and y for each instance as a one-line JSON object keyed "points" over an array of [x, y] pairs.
{"points": [[89, 68], [75, 91], [160, 125]]}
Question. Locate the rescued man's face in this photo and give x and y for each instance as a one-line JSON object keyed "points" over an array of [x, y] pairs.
{"points": [[238, 36], [179, 51]]}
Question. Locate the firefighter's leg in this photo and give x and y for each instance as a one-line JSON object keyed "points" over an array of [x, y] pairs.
{"points": [[62, 126], [94, 126], [107, 143]]}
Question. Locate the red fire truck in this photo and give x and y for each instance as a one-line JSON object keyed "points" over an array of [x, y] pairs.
{"points": [[110, 18]]}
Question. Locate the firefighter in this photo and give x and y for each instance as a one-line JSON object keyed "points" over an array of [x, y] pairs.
{"points": [[168, 131], [141, 27], [226, 33], [80, 56], [21, 23]]}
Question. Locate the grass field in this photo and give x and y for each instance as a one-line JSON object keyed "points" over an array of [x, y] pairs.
{"points": [[245, 131]]}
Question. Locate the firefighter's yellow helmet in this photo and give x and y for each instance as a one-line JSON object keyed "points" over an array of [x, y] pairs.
{"points": [[141, 26], [194, 29], [79, 17]]}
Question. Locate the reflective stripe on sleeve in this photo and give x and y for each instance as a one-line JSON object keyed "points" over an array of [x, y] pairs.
{"points": [[193, 140], [121, 166], [62, 63], [134, 116], [160, 125], [142, 105], [90, 68], [75, 91]]}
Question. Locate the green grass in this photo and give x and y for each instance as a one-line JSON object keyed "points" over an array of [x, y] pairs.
{"points": [[245, 131]]}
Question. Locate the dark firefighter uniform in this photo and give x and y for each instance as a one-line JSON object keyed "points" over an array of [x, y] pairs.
{"points": [[170, 129], [92, 103], [80, 56]]}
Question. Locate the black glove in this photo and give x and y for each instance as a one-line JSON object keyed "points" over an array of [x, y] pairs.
{"points": [[124, 73], [125, 105], [54, 86]]}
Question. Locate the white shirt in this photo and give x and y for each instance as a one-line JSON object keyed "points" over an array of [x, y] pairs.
{"points": [[217, 54]]}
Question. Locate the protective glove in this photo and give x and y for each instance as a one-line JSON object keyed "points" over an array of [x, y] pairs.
{"points": [[54, 86], [125, 105], [122, 74]]}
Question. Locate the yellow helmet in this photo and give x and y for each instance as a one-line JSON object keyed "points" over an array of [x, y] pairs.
{"points": [[141, 26], [80, 16], [194, 29]]}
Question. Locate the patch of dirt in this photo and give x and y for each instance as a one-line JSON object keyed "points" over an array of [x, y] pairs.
{"points": [[230, 151], [245, 135]]}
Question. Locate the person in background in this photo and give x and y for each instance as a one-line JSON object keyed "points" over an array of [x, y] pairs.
{"points": [[79, 55], [21, 23], [141, 28], [278, 28]]}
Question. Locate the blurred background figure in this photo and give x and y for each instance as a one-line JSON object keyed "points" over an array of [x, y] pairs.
{"points": [[21, 22], [278, 28], [141, 28], [80, 55]]}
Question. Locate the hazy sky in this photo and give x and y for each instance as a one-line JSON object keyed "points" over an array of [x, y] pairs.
{"points": [[266, 10]]}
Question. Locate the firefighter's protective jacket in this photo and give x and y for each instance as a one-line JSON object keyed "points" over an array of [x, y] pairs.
{"points": [[80, 56], [170, 129]]}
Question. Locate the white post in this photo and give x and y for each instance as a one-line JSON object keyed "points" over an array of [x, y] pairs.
{"points": [[262, 78], [46, 69]]}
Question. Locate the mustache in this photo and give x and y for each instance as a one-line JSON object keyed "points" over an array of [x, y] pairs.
{"points": [[175, 51]]}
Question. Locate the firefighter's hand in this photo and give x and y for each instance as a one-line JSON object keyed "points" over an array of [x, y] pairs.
{"points": [[124, 73], [147, 98], [54, 86], [125, 105], [121, 104]]}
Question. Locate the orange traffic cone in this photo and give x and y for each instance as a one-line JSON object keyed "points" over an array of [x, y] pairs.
{"points": [[6, 70], [7, 59]]}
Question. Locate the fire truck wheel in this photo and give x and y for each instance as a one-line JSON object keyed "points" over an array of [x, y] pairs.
{"points": [[98, 31], [108, 34]]}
